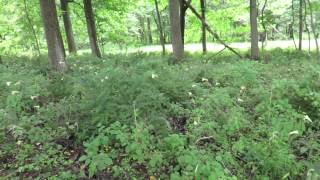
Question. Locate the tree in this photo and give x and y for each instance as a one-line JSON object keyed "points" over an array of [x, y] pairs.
{"points": [[313, 27], [254, 30], [36, 41], [183, 10], [204, 36], [68, 26], [56, 51], [160, 29], [149, 30], [91, 27], [175, 26], [300, 23]]}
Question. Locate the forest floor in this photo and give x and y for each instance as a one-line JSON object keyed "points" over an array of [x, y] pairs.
{"points": [[139, 116]]}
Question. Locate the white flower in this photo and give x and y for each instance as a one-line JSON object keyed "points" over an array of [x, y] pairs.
{"points": [[33, 97], [217, 84], [190, 93], [102, 80], [36, 107], [154, 76], [194, 85], [17, 83], [195, 123], [8, 83], [307, 118], [15, 92], [240, 100], [205, 80], [293, 132], [96, 73], [106, 78], [19, 142]]}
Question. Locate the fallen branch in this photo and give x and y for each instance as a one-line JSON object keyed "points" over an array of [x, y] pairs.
{"points": [[214, 34], [216, 54], [203, 139]]}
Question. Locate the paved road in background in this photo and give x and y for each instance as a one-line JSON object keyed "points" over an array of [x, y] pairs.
{"points": [[214, 47]]}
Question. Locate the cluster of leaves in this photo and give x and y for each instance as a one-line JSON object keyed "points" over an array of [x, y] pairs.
{"points": [[138, 117]]}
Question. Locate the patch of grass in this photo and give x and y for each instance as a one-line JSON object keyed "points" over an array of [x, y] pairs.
{"points": [[137, 116]]}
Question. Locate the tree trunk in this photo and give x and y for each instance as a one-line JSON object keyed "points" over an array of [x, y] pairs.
{"points": [[177, 44], [92, 33], [36, 41], [68, 26], [254, 30], [300, 24], [142, 29], [204, 36], [161, 36], [313, 27], [149, 30], [183, 10], [1, 60], [56, 51]]}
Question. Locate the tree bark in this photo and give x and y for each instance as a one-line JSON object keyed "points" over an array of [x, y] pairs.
{"points": [[149, 30], [300, 24], [313, 27], [68, 26], [161, 36], [254, 30], [56, 51], [92, 32], [204, 35], [177, 44]]}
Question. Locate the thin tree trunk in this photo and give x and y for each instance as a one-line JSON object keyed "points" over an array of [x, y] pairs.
{"points": [[292, 25], [142, 29], [307, 28], [36, 41], [1, 60], [161, 36], [313, 27], [177, 44], [254, 30], [92, 32], [204, 36], [56, 51], [183, 9], [300, 24], [149, 30], [68, 26], [264, 25]]}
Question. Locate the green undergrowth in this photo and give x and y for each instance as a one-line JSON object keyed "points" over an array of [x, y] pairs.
{"points": [[138, 117]]}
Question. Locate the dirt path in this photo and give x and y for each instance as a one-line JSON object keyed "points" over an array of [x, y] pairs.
{"points": [[213, 47]]}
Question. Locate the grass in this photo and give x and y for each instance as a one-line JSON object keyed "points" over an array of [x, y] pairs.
{"points": [[137, 116]]}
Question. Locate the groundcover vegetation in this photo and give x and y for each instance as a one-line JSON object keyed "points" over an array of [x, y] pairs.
{"points": [[139, 117]]}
